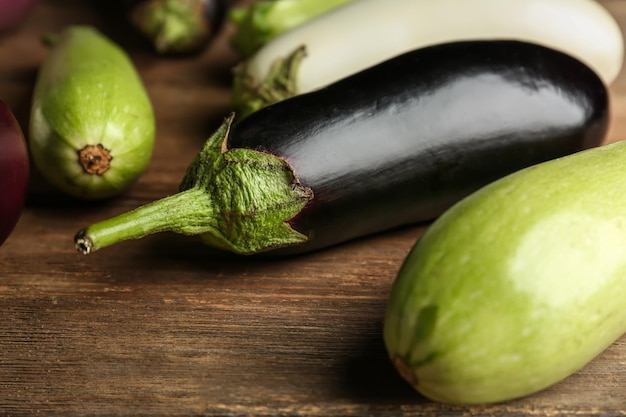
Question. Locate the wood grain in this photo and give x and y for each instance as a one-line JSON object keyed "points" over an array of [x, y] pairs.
{"points": [[165, 327]]}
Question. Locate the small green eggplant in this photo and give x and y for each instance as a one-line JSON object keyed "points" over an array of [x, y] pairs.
{"points": [[92, 125], [517, 286]]}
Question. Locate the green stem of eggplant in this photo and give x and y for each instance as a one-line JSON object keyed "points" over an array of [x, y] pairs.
{"points": [[239, 200], [188, 212], [172, 26]]}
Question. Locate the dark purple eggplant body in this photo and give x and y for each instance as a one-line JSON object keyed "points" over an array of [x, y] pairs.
{"points": [[14, 171], [401, 142]]}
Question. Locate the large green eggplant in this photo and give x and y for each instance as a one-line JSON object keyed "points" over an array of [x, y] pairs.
{"points": [[517, 286]]}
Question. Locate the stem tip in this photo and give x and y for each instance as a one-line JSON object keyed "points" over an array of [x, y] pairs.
{"points": [[83, 243]]}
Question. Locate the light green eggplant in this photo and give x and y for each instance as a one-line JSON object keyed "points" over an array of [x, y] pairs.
{"points": [[517, 286], [92, 125]]}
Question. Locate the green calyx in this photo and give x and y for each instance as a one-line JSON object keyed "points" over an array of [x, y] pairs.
{"points": [[239, 200], [173, 26], [251, 94], [253, 28]]}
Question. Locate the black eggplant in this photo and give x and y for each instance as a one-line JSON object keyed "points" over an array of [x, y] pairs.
{"points": [[396, 144]]}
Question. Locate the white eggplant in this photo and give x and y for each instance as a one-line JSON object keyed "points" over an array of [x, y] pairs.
{"points": [[363, 33]]}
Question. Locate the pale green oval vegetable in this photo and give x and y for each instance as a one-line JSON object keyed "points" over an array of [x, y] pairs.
{"points": [[517, 286], [92, 125]]}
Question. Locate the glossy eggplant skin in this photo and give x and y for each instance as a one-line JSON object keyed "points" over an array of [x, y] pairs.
{"points": [[402, 141]]}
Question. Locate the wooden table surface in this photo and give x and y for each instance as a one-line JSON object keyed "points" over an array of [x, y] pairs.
{"points": [[165, 327]]}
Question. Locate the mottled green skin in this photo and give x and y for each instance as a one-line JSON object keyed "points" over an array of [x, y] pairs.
{"points": [[89, 92], [517, 286]]}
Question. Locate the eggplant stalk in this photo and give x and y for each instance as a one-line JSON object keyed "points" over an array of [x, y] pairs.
{"points": [[173, 26], [250, 220]]}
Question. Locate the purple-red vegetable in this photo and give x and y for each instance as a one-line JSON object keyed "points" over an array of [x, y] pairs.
{"points": [[13, 12], [14, 171]]}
